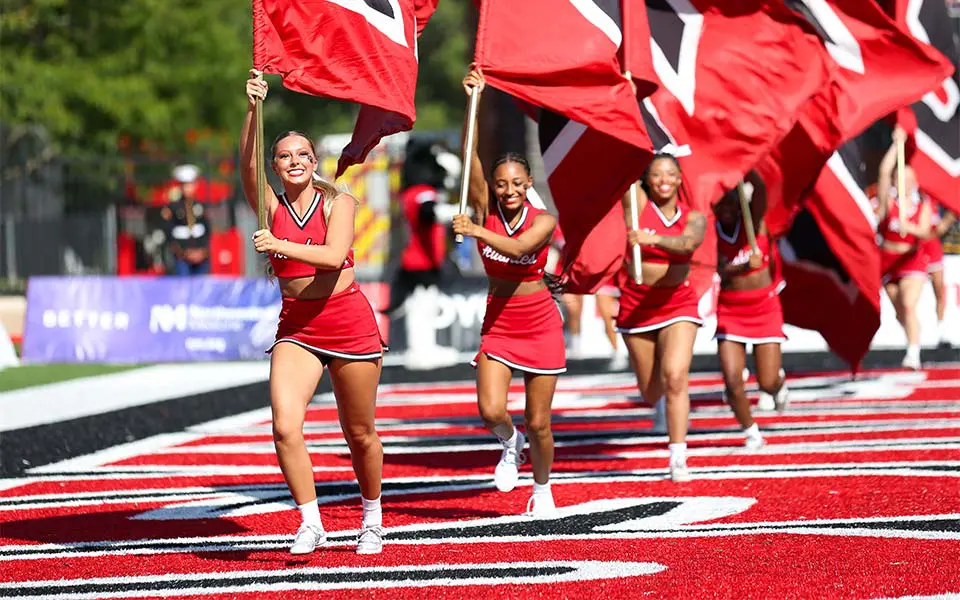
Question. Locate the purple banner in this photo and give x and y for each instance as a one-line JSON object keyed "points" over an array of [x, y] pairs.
{"points": [[146, 319]]}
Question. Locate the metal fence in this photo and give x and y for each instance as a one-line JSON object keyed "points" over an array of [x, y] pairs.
{"points": [[68, 244]]}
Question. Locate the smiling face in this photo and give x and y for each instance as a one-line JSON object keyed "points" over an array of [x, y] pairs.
{"points": [[294, 160], [510, 183], [663, 180]]}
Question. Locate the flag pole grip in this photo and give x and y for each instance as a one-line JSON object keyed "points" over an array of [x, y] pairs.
{"points": [[468, 145]]}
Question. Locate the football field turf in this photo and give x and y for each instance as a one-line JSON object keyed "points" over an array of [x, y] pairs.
{"points": [[856, 495]]}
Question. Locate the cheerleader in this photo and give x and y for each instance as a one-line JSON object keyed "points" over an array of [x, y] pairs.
{"points": [[933, 250], [326, 323], [903, 265], [522, 328], [659, 318], [748, 308]]}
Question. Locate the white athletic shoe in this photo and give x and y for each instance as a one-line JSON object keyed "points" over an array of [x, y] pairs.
{"points": [[679, 471], [541, 506], [620, 362], [782, 399], [911, 362], [307, 539], [507, 472], [766, 402], [754, 442], [370, 540], [660, 416]]}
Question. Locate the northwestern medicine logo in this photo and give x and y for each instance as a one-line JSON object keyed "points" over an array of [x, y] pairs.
{"points": [[167, 318]]}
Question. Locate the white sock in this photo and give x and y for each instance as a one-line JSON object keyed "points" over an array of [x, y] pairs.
{"points": [[310, 513], [504, 434], [913, 350], [541, 488], [678, 452], [752, 432], [372, 513]]}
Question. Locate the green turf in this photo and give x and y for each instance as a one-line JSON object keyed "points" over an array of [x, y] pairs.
{"points": [[20, 377]]}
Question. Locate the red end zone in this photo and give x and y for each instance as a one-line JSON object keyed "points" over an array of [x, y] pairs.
{"points": [[856, 495]]}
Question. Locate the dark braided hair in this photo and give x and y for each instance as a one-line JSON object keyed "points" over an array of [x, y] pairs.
{"points": [[511, 157], [646, 171]]}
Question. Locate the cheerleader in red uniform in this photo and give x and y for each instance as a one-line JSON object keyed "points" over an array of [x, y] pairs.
{"points": [[933, 249], [659, 318], [522, 328], [903, 265], [748, 307], [325, 323]]}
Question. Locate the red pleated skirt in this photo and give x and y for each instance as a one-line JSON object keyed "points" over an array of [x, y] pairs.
{"points": [[339, 326], [750, 316], [525, 333], [895, 267], [644, 308], [933, 250]]}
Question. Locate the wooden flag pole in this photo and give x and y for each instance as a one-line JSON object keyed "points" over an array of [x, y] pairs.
{"points": [[468, 144], [747, 217], [633, 207], [261, 168], [901, 181]]}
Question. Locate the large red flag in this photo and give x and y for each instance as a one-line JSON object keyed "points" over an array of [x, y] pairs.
{"points": [[563, 57], [830, 258], [725, 100], [593, 148], [878, 69], [934, 146], [364, 52]]}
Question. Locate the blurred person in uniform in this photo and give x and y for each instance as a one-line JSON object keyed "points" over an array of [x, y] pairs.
{"points": [[933, 249], [429, 170], [188, 230], [572, 303]]}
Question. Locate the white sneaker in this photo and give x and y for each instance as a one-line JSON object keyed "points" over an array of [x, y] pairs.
{"points": [[619, 362], [370, 540], [507, 472], [766, 401], [307, 539], [679, 471], [782, 399], [911, 362], [754, 442], [541, 506], [660, 416]]}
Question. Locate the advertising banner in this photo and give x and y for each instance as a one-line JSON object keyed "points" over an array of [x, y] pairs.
{"points": [[135, 320]]}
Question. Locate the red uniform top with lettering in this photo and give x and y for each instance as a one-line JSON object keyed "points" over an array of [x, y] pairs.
{"points": [[891, 227], [426, 248], [528, 267], [311, 229], [752, 316], [734, 249], [652, 220]]}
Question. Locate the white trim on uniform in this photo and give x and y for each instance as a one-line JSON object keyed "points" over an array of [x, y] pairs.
{"points": [[749, 340], [905, 275], [663, 219], [935, 267], [506, 224], [301, 223], [512, 365], [661, 325], [330, 353], [723, 235]]}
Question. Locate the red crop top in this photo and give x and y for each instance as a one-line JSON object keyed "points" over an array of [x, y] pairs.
{"points": [[528, 267], [310, 230], [653, 221], [736, 250], [891, 228]]}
